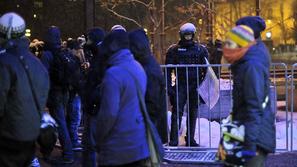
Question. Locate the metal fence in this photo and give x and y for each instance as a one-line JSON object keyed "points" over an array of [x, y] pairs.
{"points": [[207, 129], [293, 108]]}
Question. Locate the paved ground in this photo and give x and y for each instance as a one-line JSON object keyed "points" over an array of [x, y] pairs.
{"points": [[286, 159]]}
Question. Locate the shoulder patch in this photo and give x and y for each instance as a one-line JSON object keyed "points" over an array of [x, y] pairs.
{"points": [[182, 49]]}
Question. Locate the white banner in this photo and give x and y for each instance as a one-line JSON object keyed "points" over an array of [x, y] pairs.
{"points": [[209, 88]]}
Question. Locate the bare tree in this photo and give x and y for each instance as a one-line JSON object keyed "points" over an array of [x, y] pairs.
{"points": [[294, 6], [283, 24], [152, 17]]}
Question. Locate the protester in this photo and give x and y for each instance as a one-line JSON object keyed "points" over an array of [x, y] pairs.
{"points": [[186, 51], [251, 89], [121, 138], [73, 117], [23, 93], [64, 70], [155, 94], [91, 97]]}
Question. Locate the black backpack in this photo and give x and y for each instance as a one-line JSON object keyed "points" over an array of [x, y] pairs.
{"points": [[66, 69]]}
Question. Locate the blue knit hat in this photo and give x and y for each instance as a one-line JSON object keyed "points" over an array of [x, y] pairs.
{"points": [[257, 24]]}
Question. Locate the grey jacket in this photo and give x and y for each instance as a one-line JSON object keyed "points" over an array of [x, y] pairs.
{"points": [[19, 117]]}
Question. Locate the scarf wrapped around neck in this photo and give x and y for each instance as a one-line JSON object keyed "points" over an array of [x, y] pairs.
{"points": [[235, 54]]}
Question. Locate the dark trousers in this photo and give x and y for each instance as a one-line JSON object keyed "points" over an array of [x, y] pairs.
{"points": [[89, 141], [16, 154], [177, 112], [57, 105], [73, 117], [141, 163]]}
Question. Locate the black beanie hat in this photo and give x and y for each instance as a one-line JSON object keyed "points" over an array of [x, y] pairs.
{"points": [[96, 34]]}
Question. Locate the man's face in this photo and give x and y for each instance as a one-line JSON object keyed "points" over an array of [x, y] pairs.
{"points": [[89, 41], [188, 37]]}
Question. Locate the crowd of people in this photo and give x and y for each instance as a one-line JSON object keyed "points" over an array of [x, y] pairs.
{"points": [[101, 77]]}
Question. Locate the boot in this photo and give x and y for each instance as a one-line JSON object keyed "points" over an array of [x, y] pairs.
{"points": [[173, 132], [174, 129], [192, 141]]}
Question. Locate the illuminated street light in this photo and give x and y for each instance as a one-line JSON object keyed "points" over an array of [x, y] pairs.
{"points": [[268, 35], [200, 21], [145, 30], [28, 33], [34, 15]]}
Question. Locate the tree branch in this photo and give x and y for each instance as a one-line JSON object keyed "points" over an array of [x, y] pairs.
{"points": [[140, 2], [124, 17]]}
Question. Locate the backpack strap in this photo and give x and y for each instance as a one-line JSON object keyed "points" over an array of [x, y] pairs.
{"points": [[153, 138], [25, 67]]}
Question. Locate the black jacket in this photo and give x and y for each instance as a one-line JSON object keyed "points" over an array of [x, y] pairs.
{"points": [[251, 87], [19, 116], [155, 94], [185, 53]]}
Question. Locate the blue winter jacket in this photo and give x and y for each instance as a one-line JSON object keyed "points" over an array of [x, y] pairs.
{"points": [[121, 137], [251, 87]]}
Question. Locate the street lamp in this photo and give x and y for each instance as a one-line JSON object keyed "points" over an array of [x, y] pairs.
{"points": [[268, 35], [28, 33]]}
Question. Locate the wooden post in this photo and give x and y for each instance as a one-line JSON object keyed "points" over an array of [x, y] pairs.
{"points": [[258, 8], [89, 14], [209, 23], [162, 60]]}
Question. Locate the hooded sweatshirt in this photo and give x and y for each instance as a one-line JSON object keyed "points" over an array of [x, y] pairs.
{"points": [[155, 95]]}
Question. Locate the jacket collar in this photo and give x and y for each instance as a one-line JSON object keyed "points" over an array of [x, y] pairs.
{"points": [[18, 45]]}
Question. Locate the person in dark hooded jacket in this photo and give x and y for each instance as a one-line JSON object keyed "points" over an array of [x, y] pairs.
{"points": [[155, 94], [94, 38], [58, 94], [91, 97], [251, 90], [121, 138]]}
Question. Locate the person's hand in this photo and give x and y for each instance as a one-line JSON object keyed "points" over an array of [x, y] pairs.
{"points": [[85, 65]]}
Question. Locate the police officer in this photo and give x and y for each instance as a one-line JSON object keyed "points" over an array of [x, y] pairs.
{"points": [[186, 51]]}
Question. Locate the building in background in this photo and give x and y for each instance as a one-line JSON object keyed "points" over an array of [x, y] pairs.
{"points": [[39, 14]]}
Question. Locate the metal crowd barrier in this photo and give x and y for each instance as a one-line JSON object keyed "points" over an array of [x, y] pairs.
{"points": [[207, 131], [293, 108]]}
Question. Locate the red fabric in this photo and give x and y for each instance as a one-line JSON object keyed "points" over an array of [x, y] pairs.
{"points": [[233, 55]]}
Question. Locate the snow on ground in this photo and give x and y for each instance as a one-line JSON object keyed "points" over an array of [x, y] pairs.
{"points": [[211, 141]]}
